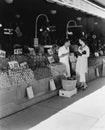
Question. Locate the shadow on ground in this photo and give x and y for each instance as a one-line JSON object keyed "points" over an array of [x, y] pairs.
{"points": [[30, 117]]}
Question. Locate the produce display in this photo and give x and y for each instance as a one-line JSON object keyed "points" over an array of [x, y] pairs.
{"points": [[20, 77], [4, 80], [16, 70], [57, 69], [95, 61], [41, 73], [37, 61]]}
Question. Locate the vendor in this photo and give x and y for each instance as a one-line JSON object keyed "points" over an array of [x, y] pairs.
{"points": [[63, 54], [82, 62]]}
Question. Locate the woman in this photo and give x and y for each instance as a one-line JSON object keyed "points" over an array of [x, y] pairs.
{"points": [[82, 63]]}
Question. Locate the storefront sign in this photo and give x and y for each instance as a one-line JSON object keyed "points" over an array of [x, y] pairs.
{"points": [[13, 65], [2, 54], [17, 51]]}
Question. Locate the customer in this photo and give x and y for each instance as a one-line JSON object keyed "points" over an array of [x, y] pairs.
{"points": [[82, 62], [63, 54]]}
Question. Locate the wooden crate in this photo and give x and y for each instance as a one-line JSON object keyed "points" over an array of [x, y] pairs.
{"points": [[8, 95]]}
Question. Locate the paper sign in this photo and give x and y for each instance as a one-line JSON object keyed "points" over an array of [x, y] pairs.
{"points": [[30, 93], [32, 51], [52, 85], [23, 65], [50, 59], [17, 51], [2, 54], [13, 65]]}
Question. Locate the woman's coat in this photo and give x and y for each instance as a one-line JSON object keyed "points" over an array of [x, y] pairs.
{"points": [[82, 63]]}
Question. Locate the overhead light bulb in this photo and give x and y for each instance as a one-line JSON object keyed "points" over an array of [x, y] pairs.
{"points": [[9, 1], [0, 25]]}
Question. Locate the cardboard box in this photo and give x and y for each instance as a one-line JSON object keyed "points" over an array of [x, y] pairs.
{"points": [[65, 93]]}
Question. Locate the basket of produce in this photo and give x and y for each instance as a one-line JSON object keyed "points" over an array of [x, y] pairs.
{"points": [[68, 85]]}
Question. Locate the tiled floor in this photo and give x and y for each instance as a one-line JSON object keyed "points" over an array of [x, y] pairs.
{"points": [[83, 111]]}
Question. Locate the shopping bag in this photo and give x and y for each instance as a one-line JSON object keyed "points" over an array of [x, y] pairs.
{"points": [[103, 68], [52, 85], [97, 72], [30, 93]]}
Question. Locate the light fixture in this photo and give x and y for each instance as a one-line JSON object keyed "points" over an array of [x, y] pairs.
{"points": [[9, 1], [0, 25], [79, 18], [95, 23], [17, 15], [53, 11], [70, 33], [36, 22]]}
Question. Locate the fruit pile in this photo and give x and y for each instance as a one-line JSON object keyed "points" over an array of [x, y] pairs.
{"points": [[20, 77], [57, 69], [41, 73], [4, 80], [37, 61]]}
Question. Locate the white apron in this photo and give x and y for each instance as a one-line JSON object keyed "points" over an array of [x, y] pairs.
{"points": [[65, 59], [82, 64]]}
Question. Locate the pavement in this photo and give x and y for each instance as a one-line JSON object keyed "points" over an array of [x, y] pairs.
{"points": [[83, 111]]}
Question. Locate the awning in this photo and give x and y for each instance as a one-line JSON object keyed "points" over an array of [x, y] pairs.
{"points": [[83, 5]]}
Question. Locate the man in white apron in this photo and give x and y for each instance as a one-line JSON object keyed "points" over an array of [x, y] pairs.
{"points": [[63, 54], [82, 63]]}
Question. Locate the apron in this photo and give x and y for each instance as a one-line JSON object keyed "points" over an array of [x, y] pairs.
{"points": [[65, 59]]}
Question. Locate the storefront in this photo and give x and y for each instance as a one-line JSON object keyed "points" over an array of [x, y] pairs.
{"points": [[25, 74]]}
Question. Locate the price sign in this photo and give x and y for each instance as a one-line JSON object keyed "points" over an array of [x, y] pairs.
{"points": [[13, 65], [32, 51], [23, 65], [17, 51], [50, 52], [50, 59], [2, 54]]}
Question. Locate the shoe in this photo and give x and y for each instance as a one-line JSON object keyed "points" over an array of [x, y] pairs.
{"points": [[84, 87]]}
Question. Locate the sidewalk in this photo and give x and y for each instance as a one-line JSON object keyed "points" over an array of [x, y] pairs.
{"points": [[83, 111]]}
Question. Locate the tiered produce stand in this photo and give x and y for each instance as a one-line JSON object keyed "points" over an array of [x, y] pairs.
{"points": [[17, 73]]}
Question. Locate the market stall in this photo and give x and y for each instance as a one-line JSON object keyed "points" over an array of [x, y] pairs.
{"points": [[25, 77]]}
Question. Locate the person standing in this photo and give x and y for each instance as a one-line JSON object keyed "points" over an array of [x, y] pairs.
{"points": [[63, 54], [82, 63]]}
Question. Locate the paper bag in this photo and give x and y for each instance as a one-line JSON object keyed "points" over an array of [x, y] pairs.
{"points": [[52, 85], [30, 93], [97, 72]]}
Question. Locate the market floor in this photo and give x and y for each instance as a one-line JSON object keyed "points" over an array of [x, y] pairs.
{"points": [[83, 111]]}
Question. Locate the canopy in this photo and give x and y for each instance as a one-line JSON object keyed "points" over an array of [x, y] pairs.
{"points": [[83, 5]]}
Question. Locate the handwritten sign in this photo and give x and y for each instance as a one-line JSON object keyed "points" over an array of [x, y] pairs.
{"points": [[18, 51], [13, 65], [24, 65], [32, 51], [50, 59]]}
